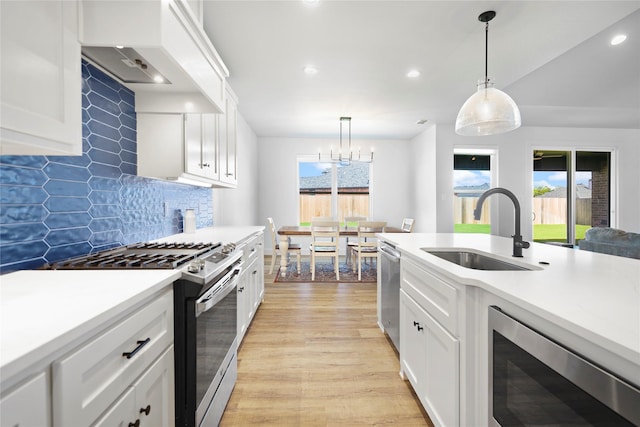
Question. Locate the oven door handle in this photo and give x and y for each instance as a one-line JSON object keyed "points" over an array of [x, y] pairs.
{"points": [[212, 297]]}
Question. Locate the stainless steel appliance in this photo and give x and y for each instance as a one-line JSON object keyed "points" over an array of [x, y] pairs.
{"points": [[205, 318], [390, 292], [536, 381]]}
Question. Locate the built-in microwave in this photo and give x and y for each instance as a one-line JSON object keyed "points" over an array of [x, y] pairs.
{"points": [[535, 381]]}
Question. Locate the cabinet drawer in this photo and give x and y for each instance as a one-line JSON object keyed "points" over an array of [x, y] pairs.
{"points": [[28, 405], [437, 297], [90, 379]]}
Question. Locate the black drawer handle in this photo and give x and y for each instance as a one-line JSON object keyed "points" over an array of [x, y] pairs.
{"points": [[145, 410], [136, 424], [137, 349], [417, 324]]}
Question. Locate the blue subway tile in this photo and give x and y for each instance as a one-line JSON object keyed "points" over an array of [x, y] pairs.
{"points": [[85, 102], [68, 251], [104, 157], [103, 143], [83, 160], [103, 103], [105, 171], [128, 97], [15, 233], [23, 251], [67, 236], [19, 194], [128, 133], [99, 87], [105, 211], [21, 176], [85, 130], [67, 204], [106, 184], [106, 238], [128, 156], [128, 121], [67, 220], [105, 224], [36, 162], [12, 214], [128, 144], [67, 172], [102, 116], [129, 168], [57, 187], [30, 264], [85, 116], [103, 77], [99, 197], [103, 130]]}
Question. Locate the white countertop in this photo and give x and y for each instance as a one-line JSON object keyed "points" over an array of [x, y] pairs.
{"points": [[43, 311], [593, 295]]}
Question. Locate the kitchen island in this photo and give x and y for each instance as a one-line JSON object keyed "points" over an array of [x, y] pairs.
{"points": [[586, 301]]}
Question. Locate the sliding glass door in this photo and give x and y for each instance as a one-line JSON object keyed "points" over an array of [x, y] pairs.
{"points": [[571, 193]]}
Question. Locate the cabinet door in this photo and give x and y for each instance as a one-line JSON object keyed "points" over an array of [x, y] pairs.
{"points": [[122, 413], [210, 147], [412, 342], [28, 405], [227, 124], [243, 305], [155, 393], [441, 387], [41, 78], [194, 150]]}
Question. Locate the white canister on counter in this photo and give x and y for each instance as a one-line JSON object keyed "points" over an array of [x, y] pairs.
{"points": [[189, 221]]}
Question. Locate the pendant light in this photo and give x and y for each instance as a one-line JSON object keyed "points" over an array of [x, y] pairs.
{"points": [[489, 111], [344, 156]]}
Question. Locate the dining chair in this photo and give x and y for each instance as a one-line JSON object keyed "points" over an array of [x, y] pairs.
{"points": [[347, 220], [367, 243], [407, 225], [325, 239], [293, 248]]}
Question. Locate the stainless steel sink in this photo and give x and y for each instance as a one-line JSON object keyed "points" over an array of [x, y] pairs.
{"points": [[475, 260]]}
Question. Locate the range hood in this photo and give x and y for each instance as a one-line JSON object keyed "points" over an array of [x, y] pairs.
{"points": [[137, 40], [124, 63]]}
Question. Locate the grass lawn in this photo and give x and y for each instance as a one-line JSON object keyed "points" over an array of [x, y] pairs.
{"points": [[541, 232]]}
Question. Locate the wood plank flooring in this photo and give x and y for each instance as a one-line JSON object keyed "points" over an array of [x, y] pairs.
{"points": [[314, 356]]}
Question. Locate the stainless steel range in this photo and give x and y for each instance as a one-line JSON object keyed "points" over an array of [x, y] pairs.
{"points": [[205, 317]]}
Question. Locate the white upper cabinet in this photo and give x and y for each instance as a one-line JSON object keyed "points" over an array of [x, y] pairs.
{"points": [[41, 78], [166, 35], [228, 141]]}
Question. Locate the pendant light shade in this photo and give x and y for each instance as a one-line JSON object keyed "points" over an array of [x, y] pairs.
{"points": [[489, 111]]}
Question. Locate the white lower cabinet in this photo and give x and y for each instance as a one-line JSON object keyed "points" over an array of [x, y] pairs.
{"points": [[145, 402], [251, 286], [429, 353], [28, 404], [135, 353]]}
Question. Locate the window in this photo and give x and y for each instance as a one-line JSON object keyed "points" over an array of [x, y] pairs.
{"points": [[333, 190], [568, 199], [472, 176]]}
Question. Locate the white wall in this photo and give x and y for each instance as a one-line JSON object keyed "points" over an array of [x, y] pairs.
{"points": [[515, 168], [391, 179], [423, 167], [239, 206]]}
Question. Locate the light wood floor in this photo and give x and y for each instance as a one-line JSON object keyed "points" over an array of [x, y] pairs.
{"points": [[314, 356]]}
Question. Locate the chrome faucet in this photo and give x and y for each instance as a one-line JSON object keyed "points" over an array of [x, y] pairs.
{"points": [[518, 243]]}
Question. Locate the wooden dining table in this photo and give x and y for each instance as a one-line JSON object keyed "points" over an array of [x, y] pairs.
{"points": [[287, 231]]}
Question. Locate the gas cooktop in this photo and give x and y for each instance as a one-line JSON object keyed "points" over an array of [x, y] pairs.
{"points": [[138, 256]]}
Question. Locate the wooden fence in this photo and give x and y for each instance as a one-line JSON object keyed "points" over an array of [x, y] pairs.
{"points": [[546, 210], [320, 205]]}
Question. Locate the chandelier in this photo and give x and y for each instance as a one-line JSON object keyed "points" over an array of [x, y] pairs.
{"points": [[345, 155]]}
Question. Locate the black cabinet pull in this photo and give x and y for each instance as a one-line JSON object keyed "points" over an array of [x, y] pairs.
{"points": [[418, 325], [241, 289], [137, 349], [136, 424], [145, 410]]}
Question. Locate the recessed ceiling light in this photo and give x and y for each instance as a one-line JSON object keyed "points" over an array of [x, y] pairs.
{"points": [[413, 74], [618, 39], [310, 69], [120, 47]]}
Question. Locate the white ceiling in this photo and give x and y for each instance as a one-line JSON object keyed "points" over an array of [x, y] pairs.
{"points": [[552, 57]]}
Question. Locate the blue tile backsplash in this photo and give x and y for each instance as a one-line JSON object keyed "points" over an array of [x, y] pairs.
{"points": [[56, 207]]}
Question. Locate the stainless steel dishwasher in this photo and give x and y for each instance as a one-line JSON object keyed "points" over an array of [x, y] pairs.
{"points": [[390, 292]]}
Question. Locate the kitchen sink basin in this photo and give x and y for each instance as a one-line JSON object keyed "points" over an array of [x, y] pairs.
{"points": [[475, 260]]}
